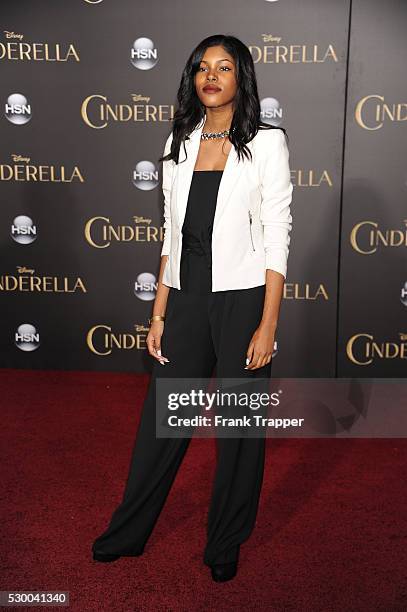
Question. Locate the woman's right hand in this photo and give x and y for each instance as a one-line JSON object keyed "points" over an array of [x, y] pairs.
{"points": [[154, 341]]}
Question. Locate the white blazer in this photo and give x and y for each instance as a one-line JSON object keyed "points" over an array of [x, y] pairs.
{"points": [[252, 223]]}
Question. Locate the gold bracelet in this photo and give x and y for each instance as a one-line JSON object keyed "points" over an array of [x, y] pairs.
{"points": [[156, 318]]}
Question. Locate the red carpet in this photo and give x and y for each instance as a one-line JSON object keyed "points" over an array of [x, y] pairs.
{"points": [[332, 524]]}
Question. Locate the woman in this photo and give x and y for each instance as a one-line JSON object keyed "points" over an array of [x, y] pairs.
{"points": [[227, 189]]}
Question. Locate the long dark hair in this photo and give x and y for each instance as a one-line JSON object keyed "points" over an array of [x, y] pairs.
{"points": [[246, 117]]}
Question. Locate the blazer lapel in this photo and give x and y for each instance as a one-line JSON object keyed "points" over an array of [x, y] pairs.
{"points": [[185, 169]]}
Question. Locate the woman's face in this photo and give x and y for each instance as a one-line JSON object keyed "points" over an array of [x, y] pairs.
{"points": [[215, 80]]}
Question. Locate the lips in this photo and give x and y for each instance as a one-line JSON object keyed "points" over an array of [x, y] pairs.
{"points": [[211, 89]]}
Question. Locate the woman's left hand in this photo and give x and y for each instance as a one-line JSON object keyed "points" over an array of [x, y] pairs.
{"points": [[261, 347]]}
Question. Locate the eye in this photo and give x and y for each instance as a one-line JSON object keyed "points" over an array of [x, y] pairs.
{"points": [[227, 68]]}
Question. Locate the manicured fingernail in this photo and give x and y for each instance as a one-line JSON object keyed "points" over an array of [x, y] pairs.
{"points": [[247, 361]]}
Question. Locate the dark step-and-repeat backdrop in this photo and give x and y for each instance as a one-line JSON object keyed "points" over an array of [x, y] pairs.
{"points": [[88, 90]]}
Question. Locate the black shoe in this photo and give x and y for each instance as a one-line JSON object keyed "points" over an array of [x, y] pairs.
{"points": [[104, 558], [221, 572], [108, 557]]}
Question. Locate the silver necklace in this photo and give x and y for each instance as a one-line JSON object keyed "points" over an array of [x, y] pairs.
{"points": [[208, 135]]}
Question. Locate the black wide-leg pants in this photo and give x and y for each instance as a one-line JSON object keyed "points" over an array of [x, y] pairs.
{"points": [[201, 332]]}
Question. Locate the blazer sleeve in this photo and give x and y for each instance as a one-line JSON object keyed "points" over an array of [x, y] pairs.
{"points": [[166, 187], [275, 211]]}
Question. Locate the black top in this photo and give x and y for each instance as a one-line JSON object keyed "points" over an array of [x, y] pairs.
{"points": [[196, 257]]}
